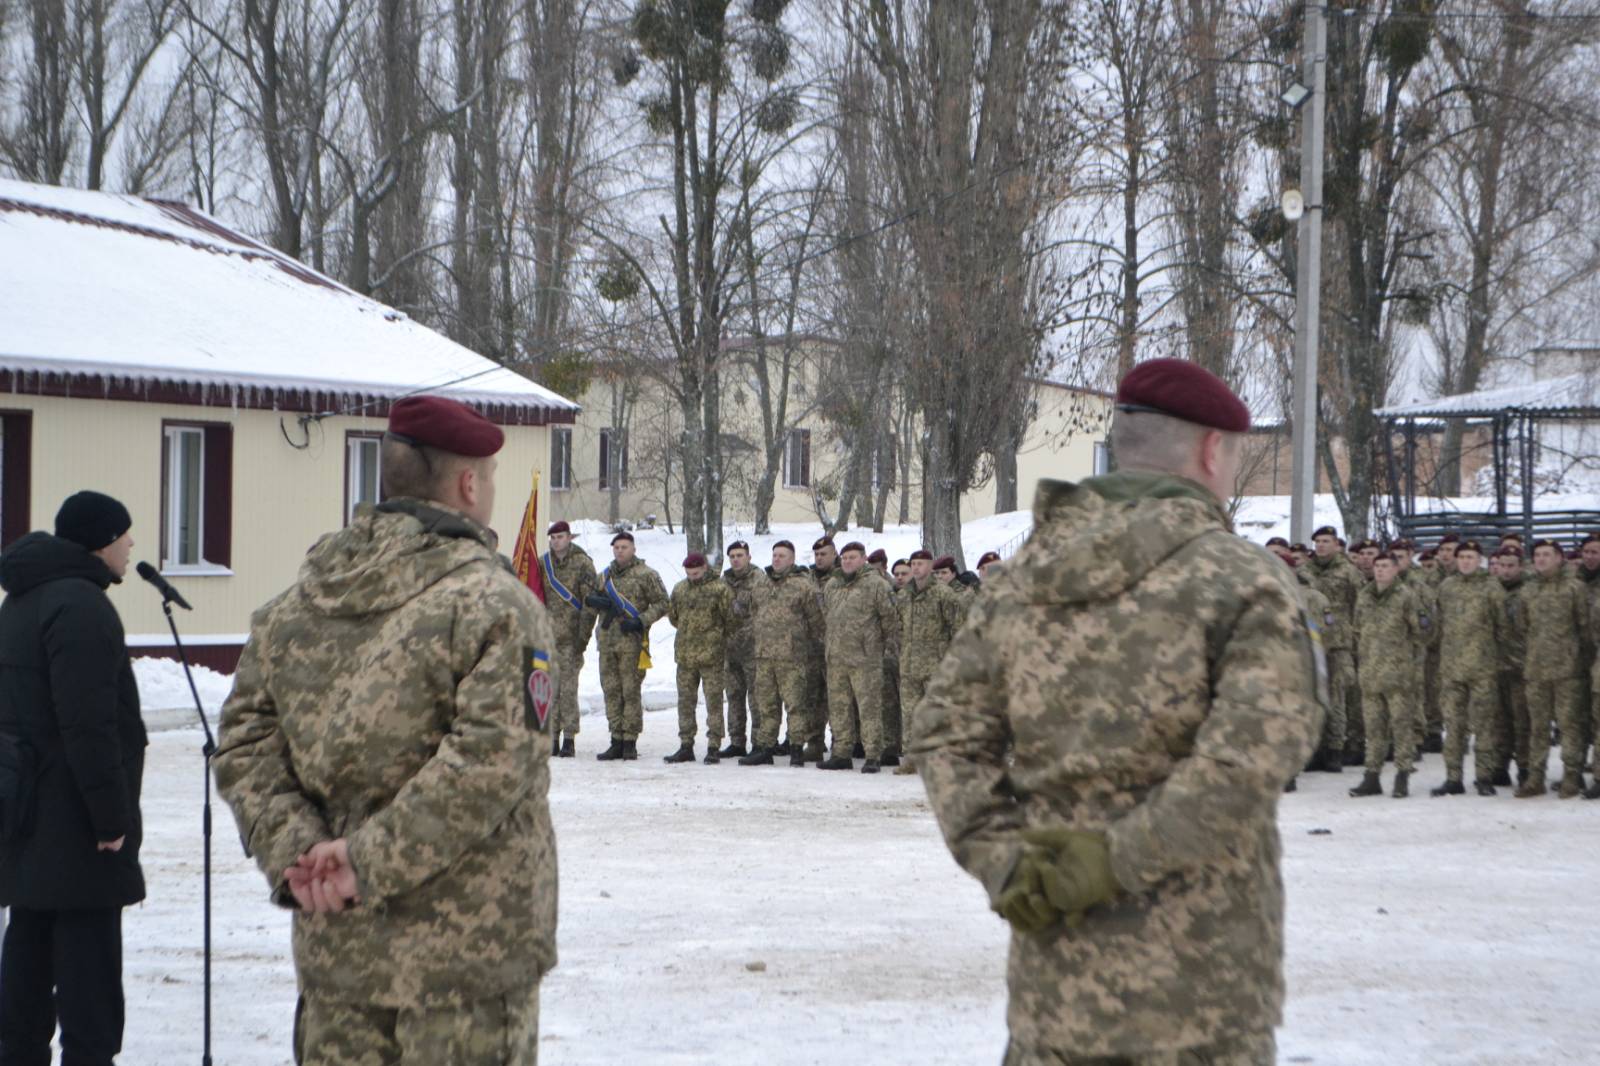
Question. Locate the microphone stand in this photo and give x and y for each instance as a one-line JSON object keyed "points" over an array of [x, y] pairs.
{"points": [[208, 750]]}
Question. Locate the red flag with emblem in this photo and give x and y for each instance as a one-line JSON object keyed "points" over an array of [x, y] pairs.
{"points": [[525, 556]]}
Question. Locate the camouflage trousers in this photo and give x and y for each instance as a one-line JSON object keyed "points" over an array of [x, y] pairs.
{"points": [[1355, 717], [1341, 680], [1469, 711], [781, 685], [911, 690], [569, 662], [1511, 721], [691, 680], [855, 694], [817, 696], [1391, 719], [497, 1032], [893, 738], [740, 682], [1431, 722], [1256, 1049], [622, 682], [1559, 702]]}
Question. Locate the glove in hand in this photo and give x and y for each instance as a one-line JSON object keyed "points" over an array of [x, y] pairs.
{"points": [[1077, 872], [632, 625], [1023, 902]]}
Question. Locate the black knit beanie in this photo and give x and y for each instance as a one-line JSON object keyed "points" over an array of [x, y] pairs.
{"points": [[92, 519]]}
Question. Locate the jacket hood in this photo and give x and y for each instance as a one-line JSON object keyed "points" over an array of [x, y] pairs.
{"points": [[1095, 539], [40, 557], [388, 555]]}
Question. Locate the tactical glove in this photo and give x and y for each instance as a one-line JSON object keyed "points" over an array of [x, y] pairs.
{"points": [[1023, 902], [631, 625], [1077, 874]]}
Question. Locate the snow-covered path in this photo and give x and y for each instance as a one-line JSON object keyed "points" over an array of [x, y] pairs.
{"points": [[733, 915]]}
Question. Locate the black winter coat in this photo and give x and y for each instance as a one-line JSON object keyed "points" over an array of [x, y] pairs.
{"points": [[67, 691]]}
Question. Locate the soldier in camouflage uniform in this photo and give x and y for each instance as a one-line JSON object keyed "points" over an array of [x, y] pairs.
{"points": [[744, 580], [1554, 625], [569, 580], [622, 641], [385, 751], [930, 618], [1392, 626], [1337, 578], [824, 571], [893, 740], [1432, 704], [1511, 696], [1471, 626], [788, 622], [701, 610], [1105, 744], [944, 572], [1587, 572], [859, 617]]}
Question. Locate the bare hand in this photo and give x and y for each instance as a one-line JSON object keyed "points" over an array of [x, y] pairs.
{"points": [[111, 845], [323, 881]]}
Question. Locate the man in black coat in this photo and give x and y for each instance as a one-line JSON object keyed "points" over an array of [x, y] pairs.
{"points": [[67, 697]]}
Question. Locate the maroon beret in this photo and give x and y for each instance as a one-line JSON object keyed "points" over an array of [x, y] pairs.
{"points": [[448, 425], [739, 545], [854, 546], [922, 553], [693, 559], [1428, 553], [1592, 538], [1326, 531], [1469, 546], [1509, 552], [1450, 538], [1556, 544], [624, 535], [1280, 541], [557, 527], [1298, 547], [878, 556], [1185, 390], [945, 562], [822, 542], [898, 563], [1574, 555], [1511, 536], [987, 558], [783, 544]]}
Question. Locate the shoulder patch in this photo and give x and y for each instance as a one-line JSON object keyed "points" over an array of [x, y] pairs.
{"points": [[1319, 658], [537, 690]]}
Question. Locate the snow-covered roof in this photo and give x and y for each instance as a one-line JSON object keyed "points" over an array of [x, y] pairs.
{"points": [[1570, 394], [139, 293]]}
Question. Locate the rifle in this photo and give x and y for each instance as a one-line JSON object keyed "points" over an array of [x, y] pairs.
{"points": [[602, 605]]}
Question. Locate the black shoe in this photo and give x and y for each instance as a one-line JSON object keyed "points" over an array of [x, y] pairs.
{"points": [[630, 749], [758, 757], [870, 766], [733, 750], [1292, 786], [1355, 757], [889, 758], [1402, 785], [568, 748], [713, 756], [1502, 777], [813, 751], [1450, 788], [685, 753], [781, 749], [858, 752], [1370, 786], [797, 757], [1433, 744], [1484, 788], [1332, 762], [611, 753], [837, 762], [1593, 791]]}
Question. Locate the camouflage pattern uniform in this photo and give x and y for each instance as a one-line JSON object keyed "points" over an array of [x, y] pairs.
{"points": [[1590, 693], [1392, 627], [388, 698], [1511, 691], [1430, 721], [620, 677], [1471, 625], [817, 659], [573, 626], [788, 623], [893, 733], [1140, 671], [1338, 579], [702, 613], [741, 662], [859, 620], [1555, 626], [964, 597], [930, 618]]}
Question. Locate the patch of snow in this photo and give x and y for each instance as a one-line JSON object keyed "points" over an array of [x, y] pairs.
{"points": [[164, 695]]}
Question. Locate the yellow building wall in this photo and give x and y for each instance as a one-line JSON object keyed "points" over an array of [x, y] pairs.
{"points": [[284, 497]]}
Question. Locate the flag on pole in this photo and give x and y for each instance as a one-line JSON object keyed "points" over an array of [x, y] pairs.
{"points": [[525, 556]]}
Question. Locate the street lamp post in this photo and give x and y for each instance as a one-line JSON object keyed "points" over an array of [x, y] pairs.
{"points": [[1308, 273]]}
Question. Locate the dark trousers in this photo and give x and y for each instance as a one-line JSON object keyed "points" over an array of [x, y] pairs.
{"points": [[66, 966]]}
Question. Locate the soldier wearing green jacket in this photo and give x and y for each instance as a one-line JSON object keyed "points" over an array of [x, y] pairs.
{"points": [[1471, 626], [930, 617], [860, 622], [744, 580], [386, 754], [569, 579], [1392, 628], [1511, 702], [1337, 578], [637, 601], [788, 624], [1555, 626], [701, 610]]}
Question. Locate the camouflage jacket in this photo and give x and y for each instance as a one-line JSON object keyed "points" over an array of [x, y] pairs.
{"points": [[1556, 622], [640, 586], [387, 697], [1514, 634], [1393, 626], [930, 618], [745, 586], [788, 619], [1140, 671], [964, 597], [859, 619], [702, 613], [1338, 579], [1317, 609], [1471, 626], [573, 625]]}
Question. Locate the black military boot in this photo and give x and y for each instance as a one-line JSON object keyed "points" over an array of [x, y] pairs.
{"points": [[1449, 788], [782, 748], [858, 752], [758, 756], [630, 749], [890, 757], [1433, 744], [733, 750], [713, 756], [1402, 785], [813, 750], [797, 756], [611, 753], [1355, 757], [1502, 777], [870, 766], [1593, 791], [569, 747], [1484, 787], [837, 762], [1370, 786], [1332, 762], [685, 753]]}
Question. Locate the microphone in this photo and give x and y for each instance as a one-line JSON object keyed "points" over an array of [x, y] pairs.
{"points": [[168, 593]]}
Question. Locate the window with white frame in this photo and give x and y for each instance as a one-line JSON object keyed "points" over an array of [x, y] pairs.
{"points": [[184, 508], [363, 471], [797, 459], [561, 457]]}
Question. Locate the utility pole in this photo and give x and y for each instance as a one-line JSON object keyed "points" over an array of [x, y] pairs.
{"points": [[1308, 281]]}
